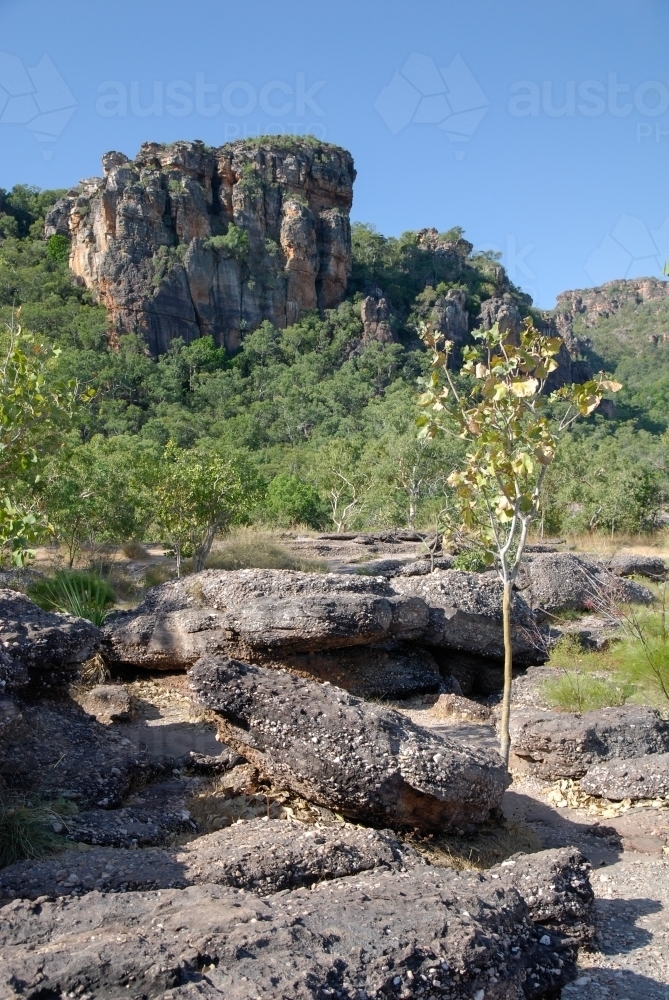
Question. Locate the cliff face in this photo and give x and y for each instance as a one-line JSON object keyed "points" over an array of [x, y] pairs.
{"points": [[187, 241]]}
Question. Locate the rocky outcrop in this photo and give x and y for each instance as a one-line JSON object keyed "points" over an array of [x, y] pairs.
{"points": [[262, 856], [377, 319], [592, 304], [188, 240], [38, 648], [503, 311], [560, 581], [276, 616], [640, 778], [511, 932], [395, 670], [564, 745], [370, 764]]}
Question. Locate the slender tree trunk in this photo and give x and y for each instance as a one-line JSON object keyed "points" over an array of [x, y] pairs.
{"points": [[505, 741], [177, 552]]}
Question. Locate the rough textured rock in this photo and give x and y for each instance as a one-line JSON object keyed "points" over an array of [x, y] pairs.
{"points": [[394, 671], [423, 567], [455, 933], [40, 648], [565, 745], [504, 311], [563, 581], [377, 321], [368, 763], [632, 564], [640, 778], [155, 237], [108, 703], [248, 612], [56, 750], [263, 856], [466, 614]]}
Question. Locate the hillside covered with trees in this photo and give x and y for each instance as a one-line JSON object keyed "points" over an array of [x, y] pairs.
{"points": [[310, 424]]}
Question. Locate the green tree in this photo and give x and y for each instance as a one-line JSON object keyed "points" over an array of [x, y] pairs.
{"points": [[195, 497], [290, 500], [34, 408], [500, 412]]}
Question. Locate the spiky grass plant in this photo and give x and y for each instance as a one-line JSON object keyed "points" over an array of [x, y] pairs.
{"points": [[74, 592]]}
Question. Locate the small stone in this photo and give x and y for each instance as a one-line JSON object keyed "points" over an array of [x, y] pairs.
{"points": [[545, 940]]}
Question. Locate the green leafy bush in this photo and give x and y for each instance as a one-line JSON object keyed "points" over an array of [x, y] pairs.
{"points": [[85, 595], [577, 691], [290, 500], [471, 561]]}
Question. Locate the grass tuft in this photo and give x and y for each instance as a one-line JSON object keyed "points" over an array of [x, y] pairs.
{"points": [[74, 592], [25, 832], [491, 844], [257, 551]]}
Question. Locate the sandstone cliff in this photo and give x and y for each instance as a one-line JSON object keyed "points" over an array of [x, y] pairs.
{"points": [[187, 241]]}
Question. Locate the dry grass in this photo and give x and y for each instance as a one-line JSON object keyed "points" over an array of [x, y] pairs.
{"points": [[491, 844], [604, 544], [249, 549]]}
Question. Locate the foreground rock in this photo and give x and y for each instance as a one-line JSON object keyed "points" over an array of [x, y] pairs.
{"points": [[56, 750], [370, 764], [40, 648], [465, 613], [562, 581], [263, 856], [512, 933], [565, 745], [639, 778], [395, 670]]}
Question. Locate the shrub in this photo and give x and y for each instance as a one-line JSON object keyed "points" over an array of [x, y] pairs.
{"points": [[575, 691], [471, 561], [83, 594], [290, 501]]}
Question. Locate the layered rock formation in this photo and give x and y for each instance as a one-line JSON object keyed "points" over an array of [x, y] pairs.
{"points": [[187, 240]]}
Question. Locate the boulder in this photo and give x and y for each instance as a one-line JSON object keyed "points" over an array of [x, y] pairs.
{"points": [[512, 932], [263, 856], [258, 613], [423, 567], [639, 778], [562, 581], [40, 648], [108, 703], [632, 564], [465, 613], [56, 750], [368, 763], [555, 745]]}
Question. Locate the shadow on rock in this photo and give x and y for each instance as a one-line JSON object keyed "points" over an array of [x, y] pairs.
{"points": [[599, 843]]}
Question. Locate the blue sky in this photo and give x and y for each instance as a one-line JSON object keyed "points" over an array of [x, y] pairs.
{"points": [[542, 129]]}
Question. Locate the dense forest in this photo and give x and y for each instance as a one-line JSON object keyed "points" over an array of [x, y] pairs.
{"points": [[306, 425]]}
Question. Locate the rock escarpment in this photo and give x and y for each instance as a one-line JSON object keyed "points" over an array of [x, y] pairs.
{"points": [[187, 240]]}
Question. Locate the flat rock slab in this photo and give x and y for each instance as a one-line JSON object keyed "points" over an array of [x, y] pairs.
{"points": [[555, 745], [246, 612], [40, 648], [263, 856], [56, 750], [512, 933], [466, 614], [640, 778], [370, 764]]}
